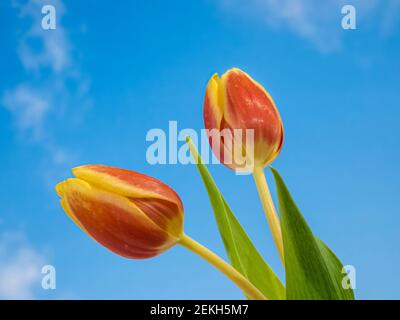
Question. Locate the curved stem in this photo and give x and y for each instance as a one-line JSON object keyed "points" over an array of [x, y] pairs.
{"points": [[269, 209], [247, 287]]}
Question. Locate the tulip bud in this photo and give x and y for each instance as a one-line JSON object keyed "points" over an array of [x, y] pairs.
{"points": [[244, 126], [131, 214]]}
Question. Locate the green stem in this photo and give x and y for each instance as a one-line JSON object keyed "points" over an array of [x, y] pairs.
{"points": [[245, 285], [269, 209]]}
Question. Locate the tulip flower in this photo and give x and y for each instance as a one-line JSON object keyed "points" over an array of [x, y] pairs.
{"points": [[245, 132], [134, 216], [131, 214], [236, 102]]}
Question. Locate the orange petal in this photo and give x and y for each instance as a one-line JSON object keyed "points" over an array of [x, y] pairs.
{"points": [[126, 183], [249, 106], [163, 213]]}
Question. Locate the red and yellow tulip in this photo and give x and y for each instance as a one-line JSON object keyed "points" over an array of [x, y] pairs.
{"points": [[135, 216], [131, 214], [236, 102]]}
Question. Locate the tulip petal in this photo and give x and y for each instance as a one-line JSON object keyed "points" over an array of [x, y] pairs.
{"points": [[249, 106], [164, 214], [214, 102], [248, 102], [126, 183], [113, 221]]}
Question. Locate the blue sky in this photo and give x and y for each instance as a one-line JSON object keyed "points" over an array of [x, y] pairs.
{"points": [[89, 91]]}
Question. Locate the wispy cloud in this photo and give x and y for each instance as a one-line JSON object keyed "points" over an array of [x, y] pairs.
{"points": [[53, 84], [20, 267], [317, 21], [28, 107]]}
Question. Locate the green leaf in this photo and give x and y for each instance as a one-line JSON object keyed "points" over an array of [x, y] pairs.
{"points": [[312, 269], [336, 270], [241, 252]]}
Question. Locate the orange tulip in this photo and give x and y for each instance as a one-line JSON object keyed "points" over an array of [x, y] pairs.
{"points": [[135, 216], [131, 214], [235, 102]]}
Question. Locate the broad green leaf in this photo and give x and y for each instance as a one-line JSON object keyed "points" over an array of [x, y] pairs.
{"points": [[312, 269], [241, 252], [336, 270]]}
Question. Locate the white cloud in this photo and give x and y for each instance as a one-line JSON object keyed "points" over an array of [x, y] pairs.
{"points": [[28, 108], [53, 85], [20, 267], [317, 21]]}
